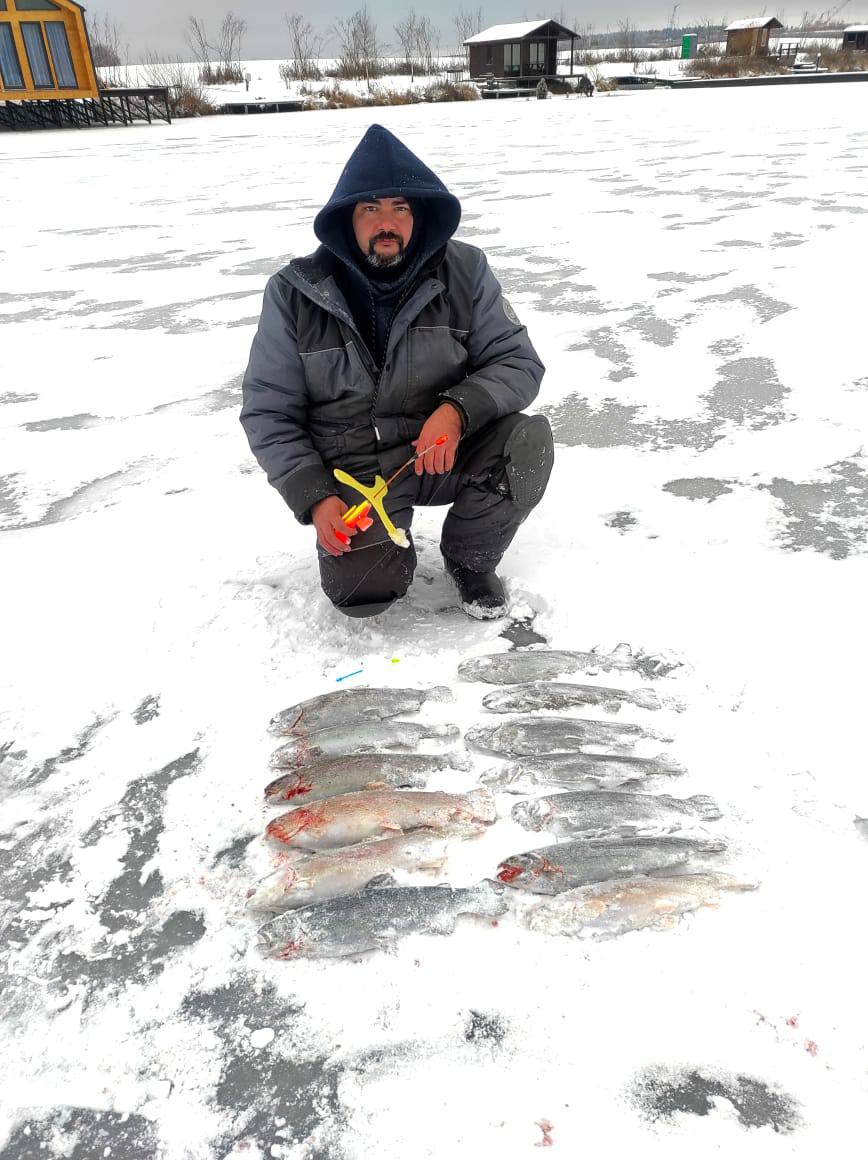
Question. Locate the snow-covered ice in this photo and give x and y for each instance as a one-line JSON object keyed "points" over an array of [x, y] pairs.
{"points": [[690, 269]]}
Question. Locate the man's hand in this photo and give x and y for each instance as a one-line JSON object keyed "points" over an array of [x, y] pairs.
{"points": [[332, 533], [446, 420]]}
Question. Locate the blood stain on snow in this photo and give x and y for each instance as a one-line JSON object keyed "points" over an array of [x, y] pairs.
{"points": [[509, 873], [811, 1047], [546, 1128]]}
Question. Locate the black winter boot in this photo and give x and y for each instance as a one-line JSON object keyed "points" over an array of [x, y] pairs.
{"points": [[480, 594]]}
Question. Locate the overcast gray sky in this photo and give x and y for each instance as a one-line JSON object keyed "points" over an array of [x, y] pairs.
{"points": [[159, 25]]}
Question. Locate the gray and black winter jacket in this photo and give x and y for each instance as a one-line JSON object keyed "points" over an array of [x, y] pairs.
{"points": [[314, 399]]}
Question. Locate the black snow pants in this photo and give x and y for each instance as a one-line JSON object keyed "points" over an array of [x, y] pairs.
{"points": [[499, 476]]}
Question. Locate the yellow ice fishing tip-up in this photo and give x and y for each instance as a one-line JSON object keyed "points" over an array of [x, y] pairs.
{"points": [[375, 494]]}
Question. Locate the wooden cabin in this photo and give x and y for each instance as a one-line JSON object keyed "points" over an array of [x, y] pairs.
{"points": [[522, 53], [855, 38], [750, 37], [44, 52]]}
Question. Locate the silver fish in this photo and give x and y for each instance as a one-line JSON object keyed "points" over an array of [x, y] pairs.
{"points": [[611, 811], [529, 736], [366, 737], [515, 668], [375, 919], [309, 878], [552, 695], [613, 908], [331, 776], [569, 771], [570, 864], [355, 817], [349, 706]]}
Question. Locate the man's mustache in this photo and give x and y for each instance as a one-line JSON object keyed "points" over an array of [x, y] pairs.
{"points": [[386, 238]]}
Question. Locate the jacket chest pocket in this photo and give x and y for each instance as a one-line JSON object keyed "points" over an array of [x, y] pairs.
{"points": [[331, 373], [437, 361]]}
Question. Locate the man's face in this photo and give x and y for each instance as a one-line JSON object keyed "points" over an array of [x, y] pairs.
{"points": [[383, 228]]}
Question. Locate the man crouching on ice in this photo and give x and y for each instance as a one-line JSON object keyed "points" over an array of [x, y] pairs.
{"points": [[388, 337]]}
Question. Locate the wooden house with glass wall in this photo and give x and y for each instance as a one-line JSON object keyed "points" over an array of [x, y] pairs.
{"points": [[47, 75], [44, 52], [521, 54], [856, 38]]}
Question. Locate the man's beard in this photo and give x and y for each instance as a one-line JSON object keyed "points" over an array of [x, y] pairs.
{"points": [[385, 261]]}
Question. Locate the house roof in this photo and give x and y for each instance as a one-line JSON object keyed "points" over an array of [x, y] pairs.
{"points": [[503, 32], [856, 28], [754, 22]]}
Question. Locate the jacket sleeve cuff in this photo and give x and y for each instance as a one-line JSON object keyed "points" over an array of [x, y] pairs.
{"points": [[473, 401], [304, 488]]}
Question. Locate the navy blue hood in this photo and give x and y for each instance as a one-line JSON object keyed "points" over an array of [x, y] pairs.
{"points": [[382, 166]]}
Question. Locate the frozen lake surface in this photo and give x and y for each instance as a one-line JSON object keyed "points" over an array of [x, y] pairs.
{"points": [[690, 267]]}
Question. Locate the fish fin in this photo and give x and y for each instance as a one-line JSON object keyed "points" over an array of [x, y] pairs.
{"points": [[440, 693], [378, 785], [393, 827], [611, 707], [622, 650]]}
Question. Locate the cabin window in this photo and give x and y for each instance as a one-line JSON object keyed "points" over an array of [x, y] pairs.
{"points": [[537, 63], [36, 6], [511, 60], [37, 57], [489, 56], [850, 37], [10, 67], [2, 5], [58, 46]]}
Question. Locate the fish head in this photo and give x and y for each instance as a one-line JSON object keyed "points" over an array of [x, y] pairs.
{"points": [[513, 868], [531, 814], [284, 828], [282, 938], [282, 789]]}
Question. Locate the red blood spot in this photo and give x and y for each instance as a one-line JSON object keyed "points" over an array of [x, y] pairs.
{"points": [[290, 950], [251, 892], [507, 873], [793, 1021], [494, 922], [811, 1047], [296, 792], [546, 867], [546, 1128]]}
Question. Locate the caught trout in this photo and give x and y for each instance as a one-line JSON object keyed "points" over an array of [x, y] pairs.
{"points": [[516, 668], [613, 908], [367, 737], [529, 736], [551, 695], [331, 776], [355, 817], [312, 878], [351, 706], [570, 864], [611, 811], [574, 770], [375, 919]]}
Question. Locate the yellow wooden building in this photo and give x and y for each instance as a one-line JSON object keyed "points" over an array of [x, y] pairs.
{"points": [[44, 52]]}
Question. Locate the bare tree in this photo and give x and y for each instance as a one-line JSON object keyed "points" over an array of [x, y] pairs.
{"points": [[305, 47], [467, 24], [105, 41], [359, 47], [425, 36], [406, 31], [199, 44], [229, 41], [627, 42]]}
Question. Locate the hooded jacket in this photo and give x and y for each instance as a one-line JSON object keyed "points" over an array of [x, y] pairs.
{"points": [[315, 394]]}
